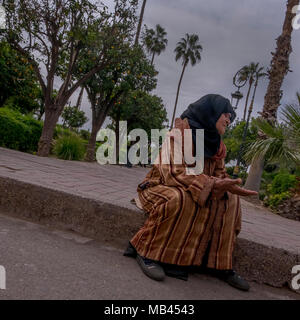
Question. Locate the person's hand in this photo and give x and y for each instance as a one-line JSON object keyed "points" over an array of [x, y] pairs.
{"points": [[241, 191], [231, 185]]}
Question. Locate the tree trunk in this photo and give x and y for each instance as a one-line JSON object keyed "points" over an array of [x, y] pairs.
{"points": [[152, 58], [255, 173], [279, 68], [51, 118], [96, 125], [254, 92], [252, 102], [79, 100], [247, 98], [279, 65], [90, 150], [140, 23], [178, 89]]}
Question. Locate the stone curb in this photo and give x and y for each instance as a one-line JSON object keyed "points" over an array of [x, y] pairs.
{"points": [[111, 223]]}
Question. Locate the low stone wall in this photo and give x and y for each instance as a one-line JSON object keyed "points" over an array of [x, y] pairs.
{"points": [[110, 223], [95, 219], [264, 264]]}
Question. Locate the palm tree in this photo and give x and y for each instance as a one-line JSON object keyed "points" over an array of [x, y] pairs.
{"points": [[279, 69], [248, 73], [257, 75], [188, 49], [155, 41], [282, 140], [138, 32]]}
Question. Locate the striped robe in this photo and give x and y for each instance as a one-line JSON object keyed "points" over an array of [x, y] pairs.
{"points": [[183, 218]]}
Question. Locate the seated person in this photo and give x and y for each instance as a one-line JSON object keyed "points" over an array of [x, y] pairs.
{"points": [[193, 219]]}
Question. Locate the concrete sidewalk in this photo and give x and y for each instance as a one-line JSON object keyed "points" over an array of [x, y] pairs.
{"points": [[43, 263], [95, 201]]}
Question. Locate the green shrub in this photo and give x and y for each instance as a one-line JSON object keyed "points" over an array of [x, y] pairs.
{"points": [[282, 183], [274, 200], [85, 134], [279, 189], [61, 131], [69, 147], [19, 132]]}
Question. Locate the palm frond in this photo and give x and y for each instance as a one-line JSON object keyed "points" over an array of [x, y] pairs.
{"points": [[188, 49], [155, 40], [277, 147], [275, 150], [298, 97], [291, 115]]}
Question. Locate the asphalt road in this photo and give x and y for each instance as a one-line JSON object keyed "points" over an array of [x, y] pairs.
{"points": [[43, 263]]}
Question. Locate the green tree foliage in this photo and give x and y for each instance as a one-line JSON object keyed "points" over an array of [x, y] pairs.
{"points": [[55, 33], [106, 89], [73, 118], [233, 139], [19, 86], [155, 41], [141, 110]]}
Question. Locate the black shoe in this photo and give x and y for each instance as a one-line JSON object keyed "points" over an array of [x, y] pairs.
{"points": [[174, 271], [151, 269], [130, 251], [233, 279]]}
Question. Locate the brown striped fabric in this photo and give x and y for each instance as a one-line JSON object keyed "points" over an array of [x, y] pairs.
{"points": [[183, 217]]}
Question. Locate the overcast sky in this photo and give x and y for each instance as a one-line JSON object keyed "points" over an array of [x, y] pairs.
{"points": [[233, 33]]}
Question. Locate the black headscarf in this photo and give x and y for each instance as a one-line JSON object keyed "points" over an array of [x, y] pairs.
{"points": [[204, 114]]}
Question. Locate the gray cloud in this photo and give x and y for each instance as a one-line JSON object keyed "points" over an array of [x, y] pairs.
{"points": [[232, 33]]}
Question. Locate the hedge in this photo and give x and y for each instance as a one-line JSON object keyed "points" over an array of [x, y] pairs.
{"points": [[19, 132]]}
